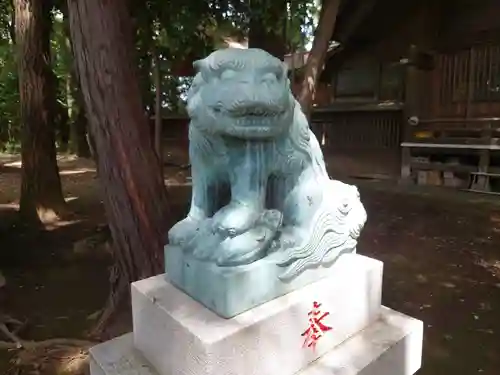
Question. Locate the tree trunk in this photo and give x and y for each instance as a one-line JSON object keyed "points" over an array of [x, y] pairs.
{"points": [[79, 142], [61, 119], [317, 55], [267, 26], [78, 129], [41, 192], [134, 193]]}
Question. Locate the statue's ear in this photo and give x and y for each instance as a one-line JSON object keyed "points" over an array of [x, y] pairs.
{"points": [[198, 65], [285, 69]]}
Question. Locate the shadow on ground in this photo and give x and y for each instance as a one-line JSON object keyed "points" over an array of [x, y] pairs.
{"points": [[441, 252], [442, 265]]}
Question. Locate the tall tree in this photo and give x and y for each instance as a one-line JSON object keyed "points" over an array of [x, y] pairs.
{"points": [[78, 132], [41, 192], [316, 59], [134, 193], [78, 137]]}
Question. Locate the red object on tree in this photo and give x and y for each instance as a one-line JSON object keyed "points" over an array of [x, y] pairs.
{"points": [[184, 67], [316, 326]]}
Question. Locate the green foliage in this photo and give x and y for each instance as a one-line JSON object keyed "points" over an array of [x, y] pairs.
{"points": [[62, 61], [301, 23], [9, 95], [189, 30], [62, 58], [9, 89], [178, 31]]}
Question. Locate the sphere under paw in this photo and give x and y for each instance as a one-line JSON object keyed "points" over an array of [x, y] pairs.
{"points": [[184, 230], [251, 245], [235, 219]]}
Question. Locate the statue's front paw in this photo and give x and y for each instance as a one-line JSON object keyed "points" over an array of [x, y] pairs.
{"points": [[252, 245], [184, 230], [207, 245], [235, 219]]}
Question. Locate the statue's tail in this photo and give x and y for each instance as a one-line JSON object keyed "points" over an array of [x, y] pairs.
{"points": [[333, 232]]}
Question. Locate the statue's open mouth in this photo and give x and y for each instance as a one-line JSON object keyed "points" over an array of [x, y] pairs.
{"points": [[252, 122], [257, 120], [252, 114]]}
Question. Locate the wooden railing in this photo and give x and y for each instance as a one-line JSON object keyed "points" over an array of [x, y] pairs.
{"points": [[353, 129]]}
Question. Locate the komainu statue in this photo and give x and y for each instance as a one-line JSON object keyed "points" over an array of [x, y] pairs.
{"points": [[260, 186]]}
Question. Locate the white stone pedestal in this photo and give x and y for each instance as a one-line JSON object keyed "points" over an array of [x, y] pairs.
{"points": [[174, 334]]}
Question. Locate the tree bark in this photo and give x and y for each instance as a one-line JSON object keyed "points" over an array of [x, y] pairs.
{"points": [[316, 59], [41, 192], [134, 193]]}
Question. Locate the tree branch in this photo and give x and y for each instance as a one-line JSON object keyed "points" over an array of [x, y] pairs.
{"points": [[316, 58]]}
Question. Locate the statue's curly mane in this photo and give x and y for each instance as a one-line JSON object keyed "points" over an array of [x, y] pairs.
{"points": [[335, 231], [238, 60]]}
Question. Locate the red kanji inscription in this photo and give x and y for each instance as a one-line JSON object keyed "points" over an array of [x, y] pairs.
{"points": [[316, 326]]}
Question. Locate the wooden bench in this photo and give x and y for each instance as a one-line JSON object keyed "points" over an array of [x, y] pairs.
{"points": [[480, 182], [475, 136], [450, 145], [483, 149]]}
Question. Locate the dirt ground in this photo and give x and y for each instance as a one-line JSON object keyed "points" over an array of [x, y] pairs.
{"points": [[441, 252]]}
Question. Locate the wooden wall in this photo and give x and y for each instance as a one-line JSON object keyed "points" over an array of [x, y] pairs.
{"points": [[360, 143], [466, 83], [360, 128], [463, 83]]}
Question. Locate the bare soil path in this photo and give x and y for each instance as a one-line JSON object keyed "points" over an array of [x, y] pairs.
{"points": [[441, 252]]}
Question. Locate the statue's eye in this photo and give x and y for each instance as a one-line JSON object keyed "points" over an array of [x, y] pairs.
{"points": [[269, 78], [227, 74]]}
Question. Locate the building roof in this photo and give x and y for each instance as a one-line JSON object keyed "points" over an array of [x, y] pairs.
{"points": [[363, 22]]}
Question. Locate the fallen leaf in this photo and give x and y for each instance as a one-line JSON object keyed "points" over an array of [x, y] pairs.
{"points": [[421, 278], [449, 285], [488, 331]]}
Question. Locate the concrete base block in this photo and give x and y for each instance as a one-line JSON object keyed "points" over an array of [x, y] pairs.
{"points": [[390, 346], [180, 336]]}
